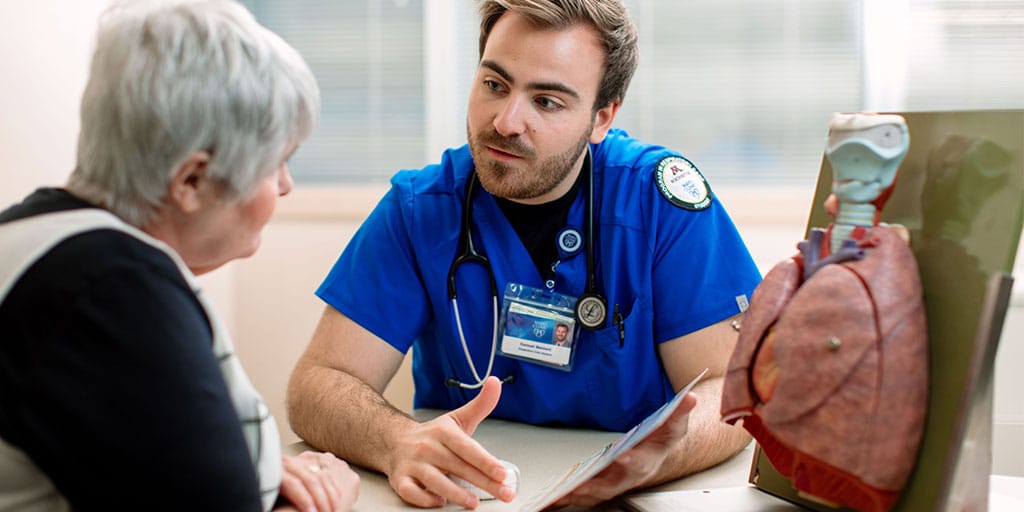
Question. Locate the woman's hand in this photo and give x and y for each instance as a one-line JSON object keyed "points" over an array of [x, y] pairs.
{"points": [[318, 481]]}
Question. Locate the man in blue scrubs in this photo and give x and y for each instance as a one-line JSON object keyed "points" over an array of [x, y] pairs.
{"points": [[666, 258]]}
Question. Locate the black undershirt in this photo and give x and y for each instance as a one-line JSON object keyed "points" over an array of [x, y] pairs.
{"points": [[538, 224]]}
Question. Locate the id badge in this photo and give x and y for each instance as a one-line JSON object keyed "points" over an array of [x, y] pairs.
{"points": [[538, 326]]}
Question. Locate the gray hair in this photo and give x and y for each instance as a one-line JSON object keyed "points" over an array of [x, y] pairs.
{"points": [[173, 77], [609, 17]]}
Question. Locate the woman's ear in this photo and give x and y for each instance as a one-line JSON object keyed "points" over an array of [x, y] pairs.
{"points": [[188, 183]]}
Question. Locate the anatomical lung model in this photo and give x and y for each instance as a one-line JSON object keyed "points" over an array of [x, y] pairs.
{"points": [[830, 373]]}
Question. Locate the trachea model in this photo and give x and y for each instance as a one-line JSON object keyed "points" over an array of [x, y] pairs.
{"points": [[830, 373]]}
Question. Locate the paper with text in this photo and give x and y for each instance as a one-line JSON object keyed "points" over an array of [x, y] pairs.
{"points": [[592, 465]]}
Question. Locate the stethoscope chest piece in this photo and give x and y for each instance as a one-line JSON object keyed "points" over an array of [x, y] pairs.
{"points": [[591, 311]]}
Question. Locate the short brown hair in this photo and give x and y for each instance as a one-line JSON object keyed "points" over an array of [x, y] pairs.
{"points": [[609, 17]]}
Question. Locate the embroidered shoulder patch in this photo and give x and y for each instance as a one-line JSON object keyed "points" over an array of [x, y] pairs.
{"points": [[682, 184]]}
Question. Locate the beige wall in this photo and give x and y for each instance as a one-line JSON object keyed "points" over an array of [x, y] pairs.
{"points": [[44, 57], [268, 300]]}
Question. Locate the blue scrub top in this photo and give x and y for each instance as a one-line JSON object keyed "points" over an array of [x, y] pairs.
{"points": [[671, 271]]}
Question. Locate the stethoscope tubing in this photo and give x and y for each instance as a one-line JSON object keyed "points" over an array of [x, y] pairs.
{"points": [[465, 346], [469, 254]]}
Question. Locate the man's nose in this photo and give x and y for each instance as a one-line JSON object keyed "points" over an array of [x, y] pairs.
{"points": [[510, 120]]}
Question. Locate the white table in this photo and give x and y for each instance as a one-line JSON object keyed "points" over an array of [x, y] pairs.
{"points": [[541, 454], [545, 453]]}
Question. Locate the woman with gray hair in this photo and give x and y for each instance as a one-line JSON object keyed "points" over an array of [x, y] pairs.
{"points": [[119, 387]]}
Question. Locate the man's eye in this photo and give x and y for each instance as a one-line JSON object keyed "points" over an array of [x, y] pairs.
{"points": [[548, 103], [493, 85]]}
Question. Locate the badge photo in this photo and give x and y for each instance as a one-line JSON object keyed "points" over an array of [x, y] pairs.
{"points": [[532, 333]]}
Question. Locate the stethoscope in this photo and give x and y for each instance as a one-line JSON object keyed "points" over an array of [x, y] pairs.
{"points": [[591, 309]]}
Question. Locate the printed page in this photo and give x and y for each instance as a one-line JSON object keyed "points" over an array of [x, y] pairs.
{"points": [[592, 465]]}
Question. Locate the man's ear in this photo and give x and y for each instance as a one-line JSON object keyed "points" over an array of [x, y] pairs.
{"points": [[188, 181], [603, 119]]}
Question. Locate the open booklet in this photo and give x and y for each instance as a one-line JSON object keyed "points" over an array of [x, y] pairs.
{"points": [[592, 465]]}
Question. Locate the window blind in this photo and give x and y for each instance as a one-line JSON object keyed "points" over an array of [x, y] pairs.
{"points": [[966, 55], [742, 87], [368, 58]]}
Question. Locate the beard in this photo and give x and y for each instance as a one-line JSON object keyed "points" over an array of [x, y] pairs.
{"points": [[527, 179]]}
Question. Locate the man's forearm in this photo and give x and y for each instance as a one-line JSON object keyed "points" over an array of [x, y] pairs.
{"points": [[334, 411], [708, 440]]}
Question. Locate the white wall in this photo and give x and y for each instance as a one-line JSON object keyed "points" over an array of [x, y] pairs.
{"points": [[45, 48], [268, 300]]}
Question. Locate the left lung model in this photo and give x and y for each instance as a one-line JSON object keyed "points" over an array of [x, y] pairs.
{"points": [[830, 373]]}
